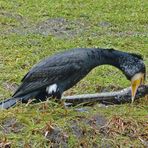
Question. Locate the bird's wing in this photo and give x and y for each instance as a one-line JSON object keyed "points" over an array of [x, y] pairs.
{"points": [[40, 78]]}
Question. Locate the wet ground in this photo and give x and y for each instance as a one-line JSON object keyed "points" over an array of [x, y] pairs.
{"points": [[81, 128], [58, 27]]}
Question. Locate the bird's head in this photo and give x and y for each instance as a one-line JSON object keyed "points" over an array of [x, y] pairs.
{"points": [[134, 69]]}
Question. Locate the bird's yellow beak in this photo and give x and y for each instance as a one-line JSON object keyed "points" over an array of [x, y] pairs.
{"points": [[137, 80]]}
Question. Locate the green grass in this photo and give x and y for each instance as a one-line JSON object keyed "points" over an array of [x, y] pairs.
{"points": [[25, 40]]}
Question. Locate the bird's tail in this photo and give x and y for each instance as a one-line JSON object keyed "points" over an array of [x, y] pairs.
{"points": [[6, 104]]}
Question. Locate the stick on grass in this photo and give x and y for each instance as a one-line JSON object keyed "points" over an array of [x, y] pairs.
{"points": [[117, 97]]}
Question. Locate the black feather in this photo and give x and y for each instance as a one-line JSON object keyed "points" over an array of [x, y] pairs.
{"points": [[139, 56]]}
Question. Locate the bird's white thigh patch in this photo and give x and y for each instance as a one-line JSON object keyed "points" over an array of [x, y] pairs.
{"points": [[51, 88]]}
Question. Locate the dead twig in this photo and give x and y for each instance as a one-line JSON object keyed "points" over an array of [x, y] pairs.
{"points": [[116, 97]]}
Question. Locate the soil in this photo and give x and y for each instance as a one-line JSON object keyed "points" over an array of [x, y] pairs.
{"points": [[11, 125]]}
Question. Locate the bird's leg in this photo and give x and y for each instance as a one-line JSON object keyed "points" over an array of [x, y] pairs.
{"points": [[57, 95], [42, 96]]}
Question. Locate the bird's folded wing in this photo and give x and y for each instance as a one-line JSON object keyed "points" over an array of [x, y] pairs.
{"points": [[41, 78]]}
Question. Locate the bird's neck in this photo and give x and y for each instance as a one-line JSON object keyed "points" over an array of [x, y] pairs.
{"points": [[107, 57], [128, 63]]}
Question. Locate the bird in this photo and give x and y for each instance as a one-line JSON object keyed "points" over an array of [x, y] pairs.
{"points": [[58, 73]]}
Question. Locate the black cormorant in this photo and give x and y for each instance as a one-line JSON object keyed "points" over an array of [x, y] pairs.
{"points": [[55, 74]]}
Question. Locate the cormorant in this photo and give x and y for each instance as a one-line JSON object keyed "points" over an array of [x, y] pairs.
{"points": [[56, 74]]}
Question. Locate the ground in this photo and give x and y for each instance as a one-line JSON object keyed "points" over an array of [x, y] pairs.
{"points": [[31, 30]]}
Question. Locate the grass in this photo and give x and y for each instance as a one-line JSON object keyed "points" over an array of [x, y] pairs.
{"points": [[26, 37]]}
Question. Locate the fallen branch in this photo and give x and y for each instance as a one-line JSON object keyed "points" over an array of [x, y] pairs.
{"points": [[117, 97]]}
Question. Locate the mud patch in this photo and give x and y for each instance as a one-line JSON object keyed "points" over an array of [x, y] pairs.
{"points": [[59, 27], [12, 22], [95, 122], [11, 15], [11, 125], [104, 24], [88, 128], [56, 136], [84, 129]]}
